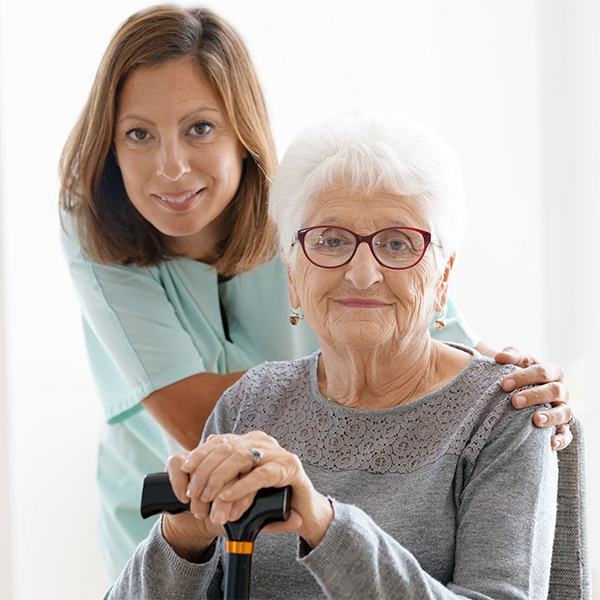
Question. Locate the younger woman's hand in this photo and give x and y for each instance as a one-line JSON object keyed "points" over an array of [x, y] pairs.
{"points": [[550, 388]]}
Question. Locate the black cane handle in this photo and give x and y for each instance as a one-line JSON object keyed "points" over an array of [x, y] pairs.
{"points": [[270, 504], [158, 497]]}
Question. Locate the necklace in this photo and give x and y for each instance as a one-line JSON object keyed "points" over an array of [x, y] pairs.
{"points": [[399, 403]]}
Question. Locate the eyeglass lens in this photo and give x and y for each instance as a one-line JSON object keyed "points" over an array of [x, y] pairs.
{"points": [[394, 248]]}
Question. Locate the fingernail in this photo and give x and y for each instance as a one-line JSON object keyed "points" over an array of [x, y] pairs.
{"points": [[520, 401], [542, 418], [224, 495], [509, 385]]}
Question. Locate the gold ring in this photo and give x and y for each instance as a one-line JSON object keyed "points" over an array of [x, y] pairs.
{"points": [[571, 420]]}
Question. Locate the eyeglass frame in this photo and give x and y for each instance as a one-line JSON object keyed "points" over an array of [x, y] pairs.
{"points": [[368, 239]]}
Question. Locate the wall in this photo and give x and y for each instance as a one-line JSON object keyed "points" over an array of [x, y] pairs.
{"points": [[511, 84]]}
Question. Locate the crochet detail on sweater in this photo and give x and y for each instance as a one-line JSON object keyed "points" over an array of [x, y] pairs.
{"points": [[278, 398]]}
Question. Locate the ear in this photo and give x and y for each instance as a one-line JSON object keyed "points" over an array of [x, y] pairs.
{"points": [[442, 291], [293, 296]]}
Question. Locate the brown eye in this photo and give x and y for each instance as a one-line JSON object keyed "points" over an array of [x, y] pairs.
{"points": [[201, 128], [137, 135]]}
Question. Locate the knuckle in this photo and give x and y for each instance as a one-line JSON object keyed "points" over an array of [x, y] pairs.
{"points": [[558, 389], [266, 438], [569, 414], [544, 373], [294, 462], [176, 459], [533, 395], [562, 391]]}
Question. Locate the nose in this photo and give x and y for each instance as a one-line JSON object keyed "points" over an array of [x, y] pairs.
{"points": [[173, 162], [363, 270]]}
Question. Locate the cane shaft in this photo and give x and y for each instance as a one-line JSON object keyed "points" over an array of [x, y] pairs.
{"points": [[237, 577]]}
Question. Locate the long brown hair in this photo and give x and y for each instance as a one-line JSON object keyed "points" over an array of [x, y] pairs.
{"points": [[110, 229]]}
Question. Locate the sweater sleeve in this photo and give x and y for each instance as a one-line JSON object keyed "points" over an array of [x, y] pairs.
{"points": [[504, 533], [156, 572]]}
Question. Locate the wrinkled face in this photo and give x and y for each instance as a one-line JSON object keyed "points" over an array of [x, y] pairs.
{"points": [[179, 156], [364, 304]]}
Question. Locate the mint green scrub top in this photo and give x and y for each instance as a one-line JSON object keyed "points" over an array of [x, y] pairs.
{"points": [[148, 327]]}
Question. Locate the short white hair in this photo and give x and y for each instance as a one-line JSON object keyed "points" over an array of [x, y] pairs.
{"points": [[368, 153]]}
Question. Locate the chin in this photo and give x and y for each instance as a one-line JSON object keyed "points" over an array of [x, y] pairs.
{"points": [[363, 337]]}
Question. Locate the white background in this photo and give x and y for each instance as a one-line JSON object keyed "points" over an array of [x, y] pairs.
{"points": [[513, 85]]}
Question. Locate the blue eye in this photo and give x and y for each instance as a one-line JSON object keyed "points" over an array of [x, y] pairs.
{"points": [[332, 242], [397, 245]]}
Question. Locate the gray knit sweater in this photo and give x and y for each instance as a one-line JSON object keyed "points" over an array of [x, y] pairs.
{"points": [[452, 495]]}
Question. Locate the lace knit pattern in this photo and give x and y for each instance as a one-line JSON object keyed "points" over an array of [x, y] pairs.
{"points": [[283, 399]]}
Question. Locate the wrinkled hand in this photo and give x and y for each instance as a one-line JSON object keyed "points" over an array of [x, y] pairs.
{"points": [[221, 471], [189, 537], [551, 388]]}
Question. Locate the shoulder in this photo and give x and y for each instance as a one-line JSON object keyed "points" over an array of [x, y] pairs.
{"points": [[274, 379], [493, 414], [85, 269], [262, 279], [481, 376], [278, 376]]}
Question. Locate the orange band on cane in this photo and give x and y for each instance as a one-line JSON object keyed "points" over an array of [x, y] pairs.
{"points": [[239, 547]]}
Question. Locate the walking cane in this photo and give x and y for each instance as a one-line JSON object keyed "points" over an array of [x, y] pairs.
{"points": [[270, 504]]}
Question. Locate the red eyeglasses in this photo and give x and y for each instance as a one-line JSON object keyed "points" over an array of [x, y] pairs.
{"points": [[394, 247]]}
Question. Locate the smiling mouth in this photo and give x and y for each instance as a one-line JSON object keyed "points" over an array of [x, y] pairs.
{"points": [[361, 303], [180, 202], [177, 199]]}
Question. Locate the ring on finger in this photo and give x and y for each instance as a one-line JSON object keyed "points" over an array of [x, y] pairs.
{"points": [[255, 456], [570, 421]]}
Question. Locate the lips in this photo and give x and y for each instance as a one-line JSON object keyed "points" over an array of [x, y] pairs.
{"points": [[179, 202], [361, 303]]}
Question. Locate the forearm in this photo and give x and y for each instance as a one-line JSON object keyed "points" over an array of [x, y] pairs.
{"points": [[183, 408], [155, 570], [181, 533], [357, 559]]}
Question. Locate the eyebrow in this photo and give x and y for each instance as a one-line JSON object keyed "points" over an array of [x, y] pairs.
{"points": [[202, 109]]}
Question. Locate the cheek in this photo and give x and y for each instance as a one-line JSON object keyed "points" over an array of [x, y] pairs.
{"points": [[225, 166], [419, 291], [134, 172], [312, 288]]}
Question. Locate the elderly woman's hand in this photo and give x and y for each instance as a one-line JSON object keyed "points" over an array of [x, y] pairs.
{"points": [[189, 537], [551, 388], [227, 472]]}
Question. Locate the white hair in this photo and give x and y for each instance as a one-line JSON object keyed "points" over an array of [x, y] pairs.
{"points": [[369, 153]]}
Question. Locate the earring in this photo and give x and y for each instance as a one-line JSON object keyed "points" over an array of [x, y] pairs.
{"points": [[439, 322], [295, 317]]}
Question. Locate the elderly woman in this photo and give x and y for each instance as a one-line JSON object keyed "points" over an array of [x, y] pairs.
{"points": [[413, 476]]}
